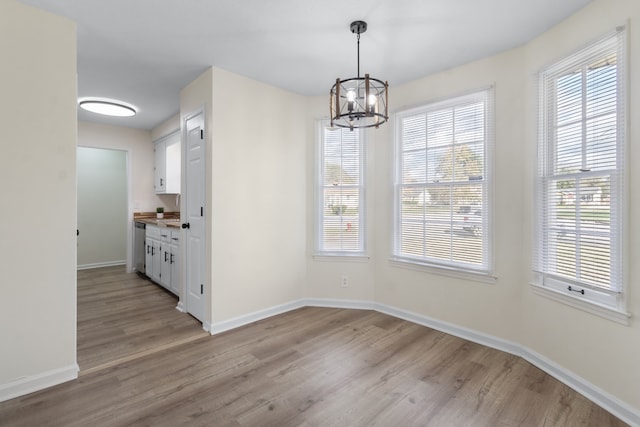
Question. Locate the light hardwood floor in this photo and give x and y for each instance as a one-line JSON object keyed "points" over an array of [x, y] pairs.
{"points": [[311, 367]]}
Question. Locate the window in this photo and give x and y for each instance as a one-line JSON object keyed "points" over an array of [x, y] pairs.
{"points": [[579, 248], [340, 192], [442, 184]]}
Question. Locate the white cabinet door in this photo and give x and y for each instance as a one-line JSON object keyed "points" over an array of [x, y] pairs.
{"points": [[160, 172], [172, 164], [152, 254], [148, 256], [156, 264], [167, 164], [174, 260], [152, 259], [165, 252]]}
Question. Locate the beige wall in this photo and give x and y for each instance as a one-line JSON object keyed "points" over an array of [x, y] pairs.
{"points": [[600, 351], [138, 143], [38, 168], [260, 202], [256, 214], [258, 194]]}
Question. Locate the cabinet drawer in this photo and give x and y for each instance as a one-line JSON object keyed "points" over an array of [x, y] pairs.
{"points": [[175, 237], [153, 232]]}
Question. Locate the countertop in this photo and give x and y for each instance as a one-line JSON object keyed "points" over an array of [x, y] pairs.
{"points": [[170, 220]]}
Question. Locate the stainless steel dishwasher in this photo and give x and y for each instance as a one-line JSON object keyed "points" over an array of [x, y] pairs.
{"points": [[138, 246]]}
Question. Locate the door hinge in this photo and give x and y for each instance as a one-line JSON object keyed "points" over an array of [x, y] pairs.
{"points": [[201, 133], [201, 289]]}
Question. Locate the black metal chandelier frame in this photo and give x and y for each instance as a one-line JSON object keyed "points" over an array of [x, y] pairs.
{"points": [[359, 102]]}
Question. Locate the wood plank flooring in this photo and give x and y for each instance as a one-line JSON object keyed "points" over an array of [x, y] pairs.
{"points": [[312, 367], [123, 315]]}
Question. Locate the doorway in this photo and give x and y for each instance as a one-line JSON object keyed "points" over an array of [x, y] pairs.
{"points": [[102, 208]]}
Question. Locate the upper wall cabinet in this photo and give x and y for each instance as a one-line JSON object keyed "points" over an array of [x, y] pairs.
{"points": [[167, 164]]}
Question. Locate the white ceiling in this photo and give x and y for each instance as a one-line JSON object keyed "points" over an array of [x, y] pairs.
{"points": [[144, 51]]}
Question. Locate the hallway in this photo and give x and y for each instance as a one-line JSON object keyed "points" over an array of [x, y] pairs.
{"points": [[123, 316]]}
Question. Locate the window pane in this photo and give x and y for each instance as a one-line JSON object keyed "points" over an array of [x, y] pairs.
{"points": [[569, 98], [601, 142], [414, 167], [601, 87], [581, 191], [569, 148], [443, 221], [340, 187], [414, 133]]}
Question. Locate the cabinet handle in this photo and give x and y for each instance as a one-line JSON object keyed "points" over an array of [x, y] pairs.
{"points": [[153, 252], [148, 248], [171, 259], [161, 182], [164, 235], [165, 256]]}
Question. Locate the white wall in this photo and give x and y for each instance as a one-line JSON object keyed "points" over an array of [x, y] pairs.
{"points": [[38, 227], [102, 207]]}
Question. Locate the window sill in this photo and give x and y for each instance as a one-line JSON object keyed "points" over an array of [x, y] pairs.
{"points": [[442, 271], [341, 258], [608, 313]]}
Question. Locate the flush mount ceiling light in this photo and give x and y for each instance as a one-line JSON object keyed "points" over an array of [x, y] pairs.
{"points": [[107, 107], [359, 102]]}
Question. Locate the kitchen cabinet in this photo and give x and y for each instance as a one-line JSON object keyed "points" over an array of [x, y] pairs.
{"points": [[163, 255], [167, 167], [174, 259], [152, 254]]}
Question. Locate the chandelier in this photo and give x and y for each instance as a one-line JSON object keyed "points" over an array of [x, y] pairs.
{"points": [[359, 102]]}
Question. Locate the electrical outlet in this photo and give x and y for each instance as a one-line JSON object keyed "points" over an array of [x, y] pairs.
{"points": [[344, 282]]}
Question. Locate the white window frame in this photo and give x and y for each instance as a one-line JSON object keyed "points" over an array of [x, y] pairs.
{"points": [[320, 252], [483, 273], [610, 304]]}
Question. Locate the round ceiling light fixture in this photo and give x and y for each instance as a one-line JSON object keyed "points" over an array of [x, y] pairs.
{"points": [[107, 107]]}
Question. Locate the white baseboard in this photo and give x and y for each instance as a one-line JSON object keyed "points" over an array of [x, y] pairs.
{"points": [[180, 307], [236, 322], [600, 397], [332, 303], [101, 264], [603, 399], [27, 385]]}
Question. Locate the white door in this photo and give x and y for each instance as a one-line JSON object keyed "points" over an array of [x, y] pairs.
{"points": [[195, 218]]}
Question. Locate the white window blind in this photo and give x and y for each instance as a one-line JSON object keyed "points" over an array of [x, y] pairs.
{"points": [[581, 173], [442, 184], [340, 192]]}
